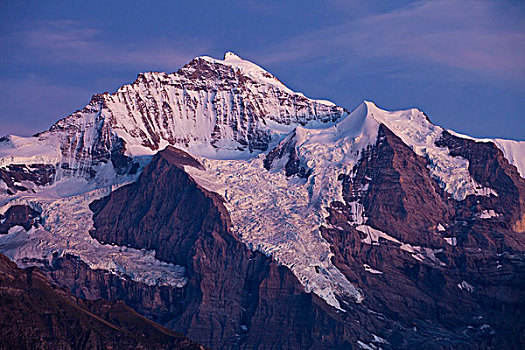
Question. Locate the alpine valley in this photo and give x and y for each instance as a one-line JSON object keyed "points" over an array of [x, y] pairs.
{"points": [[217, 203]]}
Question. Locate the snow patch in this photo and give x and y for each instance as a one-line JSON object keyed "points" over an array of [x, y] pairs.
{"points": [[373, 235], [365, 346], [65, 230], [464, 285], [487, 214], [453, 241], [378, 339], [372, 270]]}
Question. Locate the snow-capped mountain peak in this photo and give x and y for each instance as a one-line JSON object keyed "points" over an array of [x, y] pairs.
{"points": [[347, 201], [231, 56], [210, 106], [416, 130], [346, 140], [249, 69], [216, 108]]}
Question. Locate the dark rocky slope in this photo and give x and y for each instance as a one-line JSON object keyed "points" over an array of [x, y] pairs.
{"points": [[38, 174], [235, 298], [489, 167], [405, 202], [38, 315], [19, 215]]}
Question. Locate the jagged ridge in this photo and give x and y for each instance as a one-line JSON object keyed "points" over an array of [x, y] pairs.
{"points": [[211, 107]]}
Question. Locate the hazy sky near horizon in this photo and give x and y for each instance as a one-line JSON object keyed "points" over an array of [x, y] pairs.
{"points": [[460, 61]]}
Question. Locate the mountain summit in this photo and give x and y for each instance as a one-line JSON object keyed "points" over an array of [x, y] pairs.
{"points": [[223, 205], [217, 108]]}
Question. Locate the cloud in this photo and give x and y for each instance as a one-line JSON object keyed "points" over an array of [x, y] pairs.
{"points": [[69, 41], [479, 35]]}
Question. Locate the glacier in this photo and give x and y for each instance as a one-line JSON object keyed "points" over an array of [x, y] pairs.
{"points": [[229, 114]]}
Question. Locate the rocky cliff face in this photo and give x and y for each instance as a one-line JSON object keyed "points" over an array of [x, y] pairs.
{"points": [[488, 165], [21, 177], [19, 215], [38, 315], [468, 287], [278, 221], [226, 104], [209, 106], [235, 298]]}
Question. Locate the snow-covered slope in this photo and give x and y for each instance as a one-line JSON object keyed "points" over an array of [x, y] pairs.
{"points": [[227, 113], [209, 105], [65, 230], [216, 108], [281, 215], [342, 145], [513, 150]]}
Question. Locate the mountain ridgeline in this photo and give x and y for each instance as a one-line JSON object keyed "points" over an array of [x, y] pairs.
{"points": [[218, 203]]}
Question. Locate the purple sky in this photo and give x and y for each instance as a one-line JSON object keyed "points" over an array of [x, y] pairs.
{"points": [[462, 62]]}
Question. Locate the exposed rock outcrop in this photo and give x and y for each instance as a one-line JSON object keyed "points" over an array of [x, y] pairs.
{"points": [[286, 152], [21, 177], [39, 315], [466, 290], [235, 298], [19, 215]]}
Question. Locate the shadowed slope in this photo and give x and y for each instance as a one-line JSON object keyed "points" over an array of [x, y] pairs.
{"points": [[39, 315]]}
